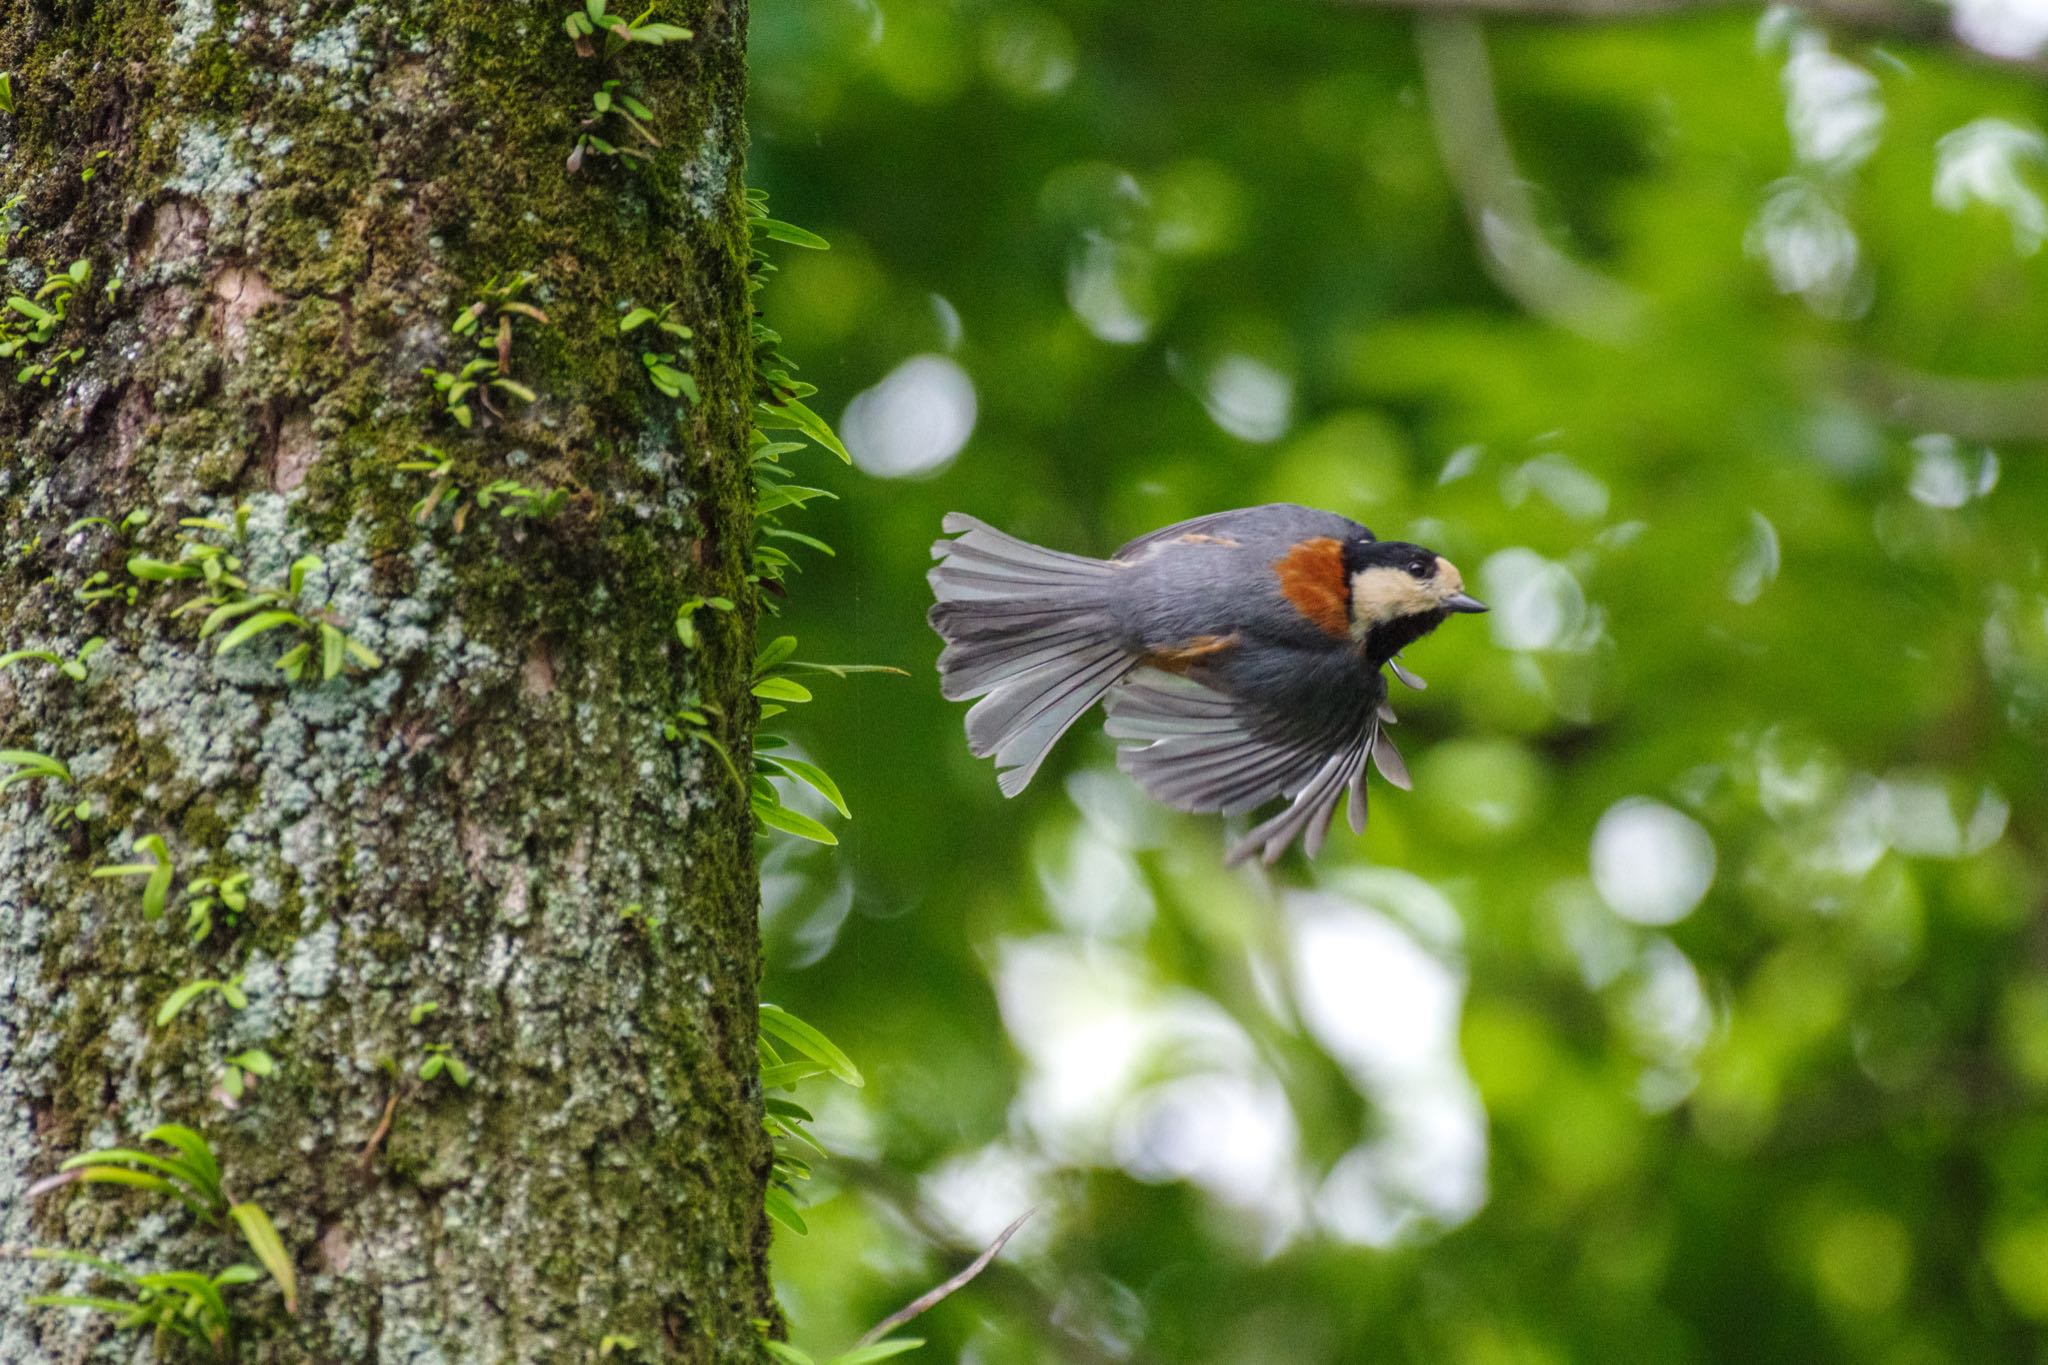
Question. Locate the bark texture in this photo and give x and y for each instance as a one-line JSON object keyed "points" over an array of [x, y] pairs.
{"points": [[297, 199]]}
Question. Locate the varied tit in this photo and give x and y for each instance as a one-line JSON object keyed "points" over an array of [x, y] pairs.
{"points": [[1240, 655]]}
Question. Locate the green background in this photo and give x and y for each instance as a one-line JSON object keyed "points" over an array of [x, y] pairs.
{"points": [[1694, 1005]]}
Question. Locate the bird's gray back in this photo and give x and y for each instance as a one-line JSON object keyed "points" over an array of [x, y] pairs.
{"points": [[1216, 576], [1275, 523]]}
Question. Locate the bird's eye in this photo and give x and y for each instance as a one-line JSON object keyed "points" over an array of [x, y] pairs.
{"points": [[1421, 568]]}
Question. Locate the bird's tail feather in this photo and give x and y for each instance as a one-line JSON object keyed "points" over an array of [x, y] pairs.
{"points": [[1028, 631]]}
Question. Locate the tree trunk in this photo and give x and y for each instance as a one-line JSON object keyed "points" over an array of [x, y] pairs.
{"points": [[287, 209]]}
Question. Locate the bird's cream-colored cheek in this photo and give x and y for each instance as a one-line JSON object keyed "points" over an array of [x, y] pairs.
{"points": [[1448, 582], [1380, 595]]}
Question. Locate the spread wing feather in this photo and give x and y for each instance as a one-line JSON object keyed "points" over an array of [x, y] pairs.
{"points": [[1199, 750], [1308, 816]]}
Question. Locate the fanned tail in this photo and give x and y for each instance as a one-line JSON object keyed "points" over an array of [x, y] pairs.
{"points": [[1027, 631]]}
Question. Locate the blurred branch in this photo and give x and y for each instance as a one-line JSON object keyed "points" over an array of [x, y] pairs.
{"points": [[1924, 23], [1521, 259], [930, 1299], [1001, 1283], [1536, 273], [1969, 409]]}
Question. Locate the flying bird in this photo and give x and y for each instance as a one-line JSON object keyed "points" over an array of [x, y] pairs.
{"points": [[1239, 657]]}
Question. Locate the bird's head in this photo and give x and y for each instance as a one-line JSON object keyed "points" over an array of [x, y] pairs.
{"points": [[1399, 593]]}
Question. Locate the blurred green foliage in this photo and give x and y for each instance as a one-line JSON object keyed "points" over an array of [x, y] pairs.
{"points": [[1694, 1006]]}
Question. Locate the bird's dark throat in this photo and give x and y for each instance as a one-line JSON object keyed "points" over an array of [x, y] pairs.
{"points": [[1391, 637]]}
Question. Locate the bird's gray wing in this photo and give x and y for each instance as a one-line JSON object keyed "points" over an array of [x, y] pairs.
{"points": [[1197, 749], [1274, 518]]}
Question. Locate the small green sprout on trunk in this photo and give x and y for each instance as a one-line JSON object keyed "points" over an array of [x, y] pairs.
{"points": [[439, 1059], [686, 627], [492, 373], [137, 517], [777, 691], [23, 765], [240, 1073], [664, 367], [208, 900], [20, 765], [792, 1051], [10, 220], [229, 993], [511, 499], [227, 597], [28, 324], [611, 101], [594, 18], [619, 119], [207, 896], [159, 870], [101, 585], [73, 668], [779, 406], [172, 1304], [180, 1304]]}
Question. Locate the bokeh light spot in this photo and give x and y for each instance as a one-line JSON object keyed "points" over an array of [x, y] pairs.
{"points": [[914, 421], [1652, 864]]}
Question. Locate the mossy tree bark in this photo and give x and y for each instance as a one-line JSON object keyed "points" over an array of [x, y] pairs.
{"points": [[285, 204]]}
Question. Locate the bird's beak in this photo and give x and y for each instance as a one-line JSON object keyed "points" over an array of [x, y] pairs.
{"points": [[1448, 575]]}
